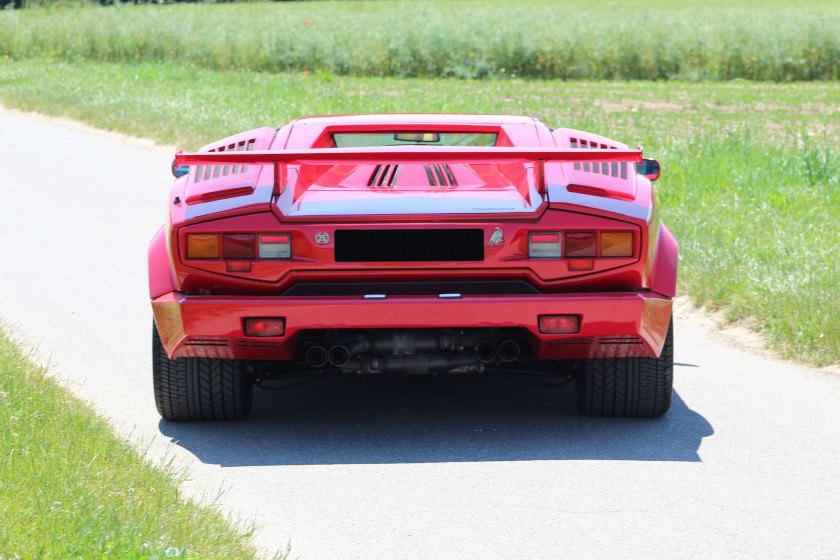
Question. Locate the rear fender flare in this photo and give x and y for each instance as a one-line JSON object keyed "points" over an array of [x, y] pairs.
{"points": [[663, 273], [161, 280]]}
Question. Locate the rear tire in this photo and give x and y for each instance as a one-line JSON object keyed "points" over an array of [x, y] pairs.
{"points": [[199, 388], [628, 387]]}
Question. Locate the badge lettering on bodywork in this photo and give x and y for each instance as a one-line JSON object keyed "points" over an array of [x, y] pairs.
{"points": [[322, 238], [496, 238]]}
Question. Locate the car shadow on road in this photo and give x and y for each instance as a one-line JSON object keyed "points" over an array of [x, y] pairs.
{"points": [[373, 420]]}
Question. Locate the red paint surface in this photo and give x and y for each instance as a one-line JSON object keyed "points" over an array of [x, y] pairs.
{"points": [[291, 182]]}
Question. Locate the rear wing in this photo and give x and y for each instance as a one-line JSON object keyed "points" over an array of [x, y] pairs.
{"points": [[409, 154]]}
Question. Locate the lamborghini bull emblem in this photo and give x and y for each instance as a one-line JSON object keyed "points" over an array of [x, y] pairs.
{"points": [[496, 238]]}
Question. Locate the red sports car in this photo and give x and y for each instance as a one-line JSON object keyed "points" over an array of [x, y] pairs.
{"points": [[412, 244]]}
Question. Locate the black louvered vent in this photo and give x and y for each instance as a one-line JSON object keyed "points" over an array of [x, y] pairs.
{"points": [[207, 172], [613, 169], [440, 175], [384, 175]]}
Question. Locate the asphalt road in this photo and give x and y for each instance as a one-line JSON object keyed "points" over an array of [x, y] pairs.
{"points": [[745, 465]]}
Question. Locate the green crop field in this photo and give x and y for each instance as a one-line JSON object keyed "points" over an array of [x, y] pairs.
{"points": [[777, 40]]}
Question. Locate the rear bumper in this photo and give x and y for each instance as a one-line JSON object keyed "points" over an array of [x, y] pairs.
{"points": [[612, 324]]}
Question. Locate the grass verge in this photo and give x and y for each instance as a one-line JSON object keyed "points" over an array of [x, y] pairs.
{"points": [[602, 39], [69, 488], [750, 184]]}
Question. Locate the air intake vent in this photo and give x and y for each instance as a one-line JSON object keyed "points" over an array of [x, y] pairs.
{"points": [[384, 175], [440, 175], [207, 172], [603, 168]]}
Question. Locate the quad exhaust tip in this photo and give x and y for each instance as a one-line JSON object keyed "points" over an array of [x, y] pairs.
{"points": [[316, 356]]}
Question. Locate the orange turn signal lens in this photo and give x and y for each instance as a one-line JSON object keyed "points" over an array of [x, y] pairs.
{"points": [[617, 244], [202, 245], [559, 324]]}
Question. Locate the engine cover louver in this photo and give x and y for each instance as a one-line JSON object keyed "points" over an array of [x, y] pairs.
{"points": [[207, 172], [437, 174]]}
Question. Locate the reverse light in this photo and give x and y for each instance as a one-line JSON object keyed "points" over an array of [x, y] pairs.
{"points": [[202, 246], [265, 326], [559, 324], [580, 243], [544, 245], [276, 246], [617, 244]]}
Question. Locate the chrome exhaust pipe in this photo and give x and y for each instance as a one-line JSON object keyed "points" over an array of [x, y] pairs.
{"points": [[316, 356], [509, 351]]}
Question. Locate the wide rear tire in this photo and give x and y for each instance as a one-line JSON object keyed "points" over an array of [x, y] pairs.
{"points": [[199, 388], [628, 387]]}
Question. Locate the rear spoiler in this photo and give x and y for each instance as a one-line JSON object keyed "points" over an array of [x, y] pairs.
{"points": [[407, 155]]}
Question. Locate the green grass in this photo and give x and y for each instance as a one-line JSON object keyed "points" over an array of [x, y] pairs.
{"points": [[773, 41], [69, 488], [750, 183]]}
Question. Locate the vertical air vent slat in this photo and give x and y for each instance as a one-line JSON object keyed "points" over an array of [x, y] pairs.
{"points": [[393, 180], [439, 174], [450, 175], [375, 176], [430, 175], [385, 173]]}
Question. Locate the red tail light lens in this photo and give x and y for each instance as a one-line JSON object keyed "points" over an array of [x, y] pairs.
{"points": [[238, 245], [559, 324], [580, 243], [276, 246], [544, 245], [265, 326]]}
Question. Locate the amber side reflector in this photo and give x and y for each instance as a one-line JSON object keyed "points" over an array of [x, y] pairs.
{"points": [[202, 245], [617, 244], [265, 326], [559, 324]]}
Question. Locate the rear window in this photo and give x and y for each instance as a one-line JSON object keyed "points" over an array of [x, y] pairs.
{"points": [[423, 138]]}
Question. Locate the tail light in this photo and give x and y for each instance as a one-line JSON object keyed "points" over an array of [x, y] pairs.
{"points": [[276, 246], [617, 244], [581, 243], [544, 245], [238, 246], [203, 246], [581, 247], [238, 249]]}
